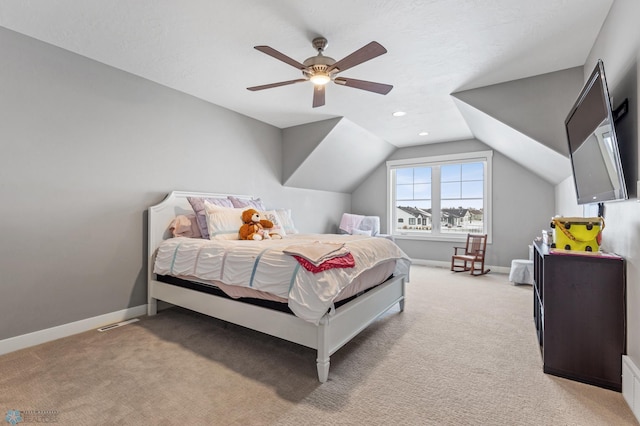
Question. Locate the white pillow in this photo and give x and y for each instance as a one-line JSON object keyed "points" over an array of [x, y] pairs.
{"points": [[286, 221], [273, 216], [223, 222], [361, 232]]}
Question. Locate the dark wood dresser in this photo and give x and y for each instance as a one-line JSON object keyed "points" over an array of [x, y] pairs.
{"points": [[579, 312]]}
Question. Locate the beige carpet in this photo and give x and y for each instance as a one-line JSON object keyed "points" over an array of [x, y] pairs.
{"points": [[463, 352]]}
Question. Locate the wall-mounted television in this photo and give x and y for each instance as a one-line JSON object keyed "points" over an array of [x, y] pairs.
{"points": [[593, 145]]}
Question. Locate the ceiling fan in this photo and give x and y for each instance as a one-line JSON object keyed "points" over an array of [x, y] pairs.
{"points": [[322, 69]]}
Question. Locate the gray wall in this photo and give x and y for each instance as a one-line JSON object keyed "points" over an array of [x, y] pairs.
{"points": [[523, 204], [85, 149], [618, 45]]}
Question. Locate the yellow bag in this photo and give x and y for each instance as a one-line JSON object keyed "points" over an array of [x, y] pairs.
{"points": [[577, 233]]}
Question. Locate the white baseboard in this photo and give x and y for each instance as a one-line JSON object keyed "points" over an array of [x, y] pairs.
{"points": [[42, 336], [631, 385], [445, 264]]}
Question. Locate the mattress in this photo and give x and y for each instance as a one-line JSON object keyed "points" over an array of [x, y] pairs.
{"points": [[264, 267]]}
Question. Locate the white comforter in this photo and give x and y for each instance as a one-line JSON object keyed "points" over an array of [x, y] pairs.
{"points": [[262, 265]]}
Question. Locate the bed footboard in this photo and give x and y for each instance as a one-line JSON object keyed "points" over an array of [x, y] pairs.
{"points": [[333, 331]]}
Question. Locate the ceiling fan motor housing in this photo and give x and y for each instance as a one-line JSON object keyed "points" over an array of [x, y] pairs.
{"points": [[317, 65]]}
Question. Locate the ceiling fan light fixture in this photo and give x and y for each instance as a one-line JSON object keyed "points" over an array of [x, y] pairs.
{"points": [[320, 79]]}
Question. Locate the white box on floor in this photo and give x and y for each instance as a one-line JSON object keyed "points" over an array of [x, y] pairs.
{"points": [[521, 271]]}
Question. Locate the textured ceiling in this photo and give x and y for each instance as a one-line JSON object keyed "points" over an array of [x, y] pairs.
{"points": [[435, 47]]}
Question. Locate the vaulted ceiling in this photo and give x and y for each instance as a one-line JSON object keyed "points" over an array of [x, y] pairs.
{"points": [[435, 48], [460, 68]]}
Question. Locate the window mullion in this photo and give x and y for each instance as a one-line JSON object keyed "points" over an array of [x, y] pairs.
{"points": [[435, 200], [391, 200]]}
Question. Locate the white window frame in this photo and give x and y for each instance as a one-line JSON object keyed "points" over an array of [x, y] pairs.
{"points": [[485, 157]]}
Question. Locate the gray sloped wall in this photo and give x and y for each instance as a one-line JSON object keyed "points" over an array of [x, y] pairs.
{"points": [[331, 155], [524, 119]]}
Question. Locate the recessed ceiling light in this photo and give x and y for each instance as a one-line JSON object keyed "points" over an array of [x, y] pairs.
{"points": [[423, 134], [399, 113]]}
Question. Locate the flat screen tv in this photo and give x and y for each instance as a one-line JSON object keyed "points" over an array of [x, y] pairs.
{"points": [[593, 145]]}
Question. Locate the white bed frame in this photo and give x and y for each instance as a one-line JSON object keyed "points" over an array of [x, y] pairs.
{"points": [[333, 331]]}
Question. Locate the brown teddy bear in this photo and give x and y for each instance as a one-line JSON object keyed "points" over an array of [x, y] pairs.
{"points": [[253, 227]]}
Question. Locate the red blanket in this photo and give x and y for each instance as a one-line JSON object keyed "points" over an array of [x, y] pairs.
{"points": [[346, 261]]}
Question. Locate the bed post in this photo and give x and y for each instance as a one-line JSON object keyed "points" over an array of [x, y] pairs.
{"points": [[322, 362], [152, 306], [401, 302], [152, 302]]}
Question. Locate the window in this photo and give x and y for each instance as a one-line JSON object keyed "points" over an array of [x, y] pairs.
{"points": [[442, 198]]}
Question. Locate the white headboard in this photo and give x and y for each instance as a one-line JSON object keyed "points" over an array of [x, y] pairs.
{"points": [[161, 215]]}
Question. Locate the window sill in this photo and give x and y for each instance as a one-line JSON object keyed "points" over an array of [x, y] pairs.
{"points": [[457, 238]]}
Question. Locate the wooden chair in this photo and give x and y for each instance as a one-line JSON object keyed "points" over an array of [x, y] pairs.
{"points": [[473, 257]]}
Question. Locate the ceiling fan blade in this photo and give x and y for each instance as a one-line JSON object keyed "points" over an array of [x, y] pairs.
{"points": [[370, 86], [280, 56], [282, 83], [318, 95], [370, 51]]}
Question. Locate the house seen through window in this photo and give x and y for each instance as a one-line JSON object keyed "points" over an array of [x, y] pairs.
{"points": [[442, 197]]}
